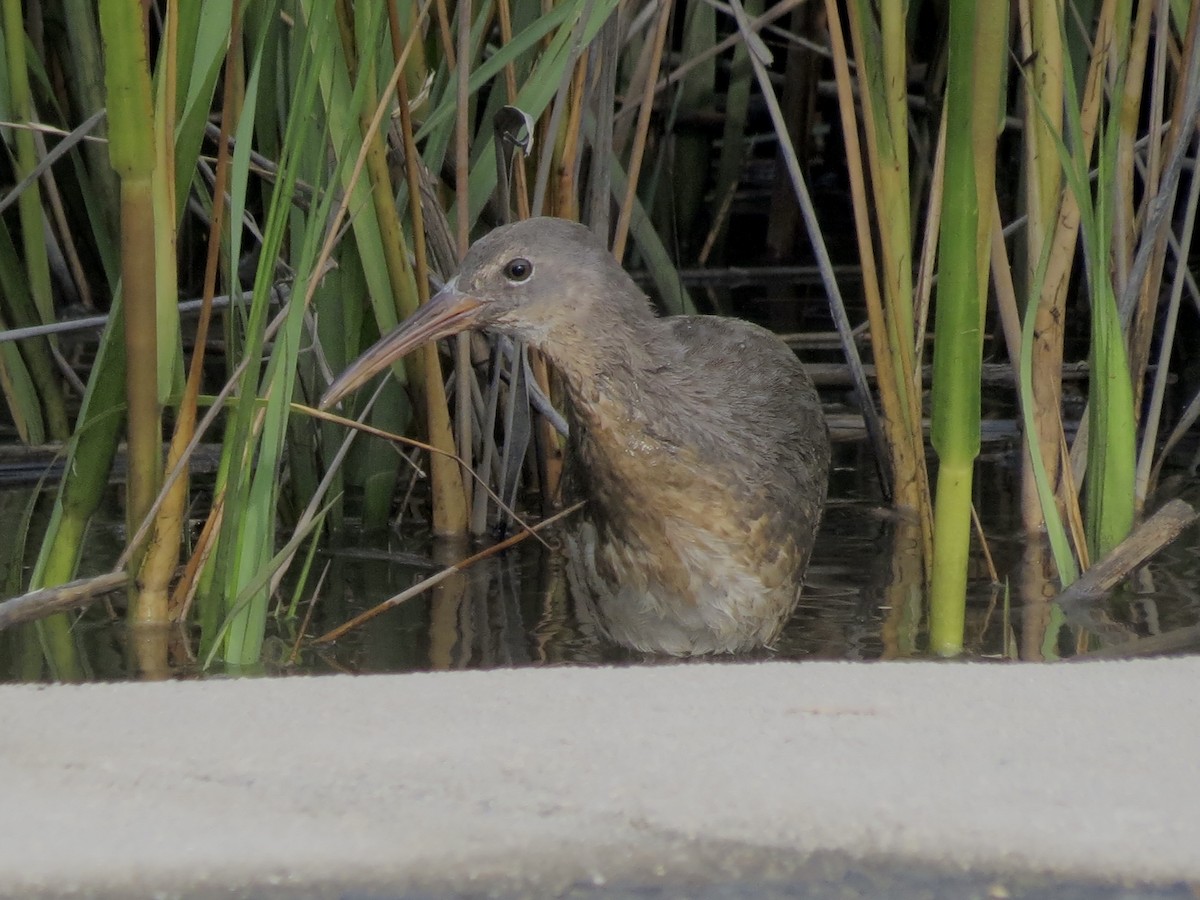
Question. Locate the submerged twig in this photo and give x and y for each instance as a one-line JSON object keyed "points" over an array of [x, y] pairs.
{"points": [[434, 580], [312, 605]]}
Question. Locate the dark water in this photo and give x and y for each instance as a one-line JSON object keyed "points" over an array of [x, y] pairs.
{"points": [[863, 599]]}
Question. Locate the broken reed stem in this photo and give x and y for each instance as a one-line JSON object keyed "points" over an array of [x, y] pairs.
{"points": [[47, 601]]}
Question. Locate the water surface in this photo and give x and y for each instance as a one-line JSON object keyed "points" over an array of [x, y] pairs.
{"points": [[863, 598]]}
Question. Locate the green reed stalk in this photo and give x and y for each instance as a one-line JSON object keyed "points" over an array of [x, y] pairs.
{"points": [[162, 555], [33, 235], [690, 147], [425, 371], [642, 129], [1053, 218], [539, 89], [92, 447], [1042, 45], [973, 105], [83, 58], [34, 263], [257, 430], [734, 140], [132, 153], [18, 380], [881, 56], [247, 566], [1112, 423]]}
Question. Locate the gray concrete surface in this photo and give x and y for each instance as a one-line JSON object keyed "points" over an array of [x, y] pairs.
{"points": [[540, 781]]}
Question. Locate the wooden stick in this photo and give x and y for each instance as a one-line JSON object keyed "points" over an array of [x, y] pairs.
{"points": [[1145, 541], [47, 601]]}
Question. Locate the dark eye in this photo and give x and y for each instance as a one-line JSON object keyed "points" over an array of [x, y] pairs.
{"points": [[518, 269]]}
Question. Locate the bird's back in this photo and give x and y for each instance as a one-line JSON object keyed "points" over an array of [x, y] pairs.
{"points": [[747, 389]]}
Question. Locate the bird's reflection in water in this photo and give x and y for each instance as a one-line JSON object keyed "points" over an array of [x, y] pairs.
{"points": [[516, 609], [512, 609]]}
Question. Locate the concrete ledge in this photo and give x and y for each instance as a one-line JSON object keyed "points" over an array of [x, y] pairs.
{"points": [[539, 779]]}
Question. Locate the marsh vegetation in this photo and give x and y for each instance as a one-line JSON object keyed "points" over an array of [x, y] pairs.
{"points": [[952, 209]]}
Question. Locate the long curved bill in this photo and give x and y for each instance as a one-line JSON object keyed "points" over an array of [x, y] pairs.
{"points": [[448, 312]]}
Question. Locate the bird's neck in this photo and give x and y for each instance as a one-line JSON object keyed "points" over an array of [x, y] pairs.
{"points": [[611, 361], [614, 387]]}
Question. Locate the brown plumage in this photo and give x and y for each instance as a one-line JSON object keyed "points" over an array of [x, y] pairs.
{"points": [[698, 442]]}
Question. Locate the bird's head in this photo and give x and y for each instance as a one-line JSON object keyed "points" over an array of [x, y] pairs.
{"points": [[537, 280]]}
